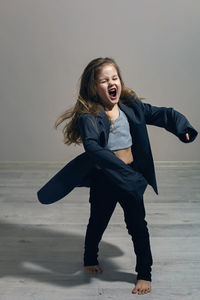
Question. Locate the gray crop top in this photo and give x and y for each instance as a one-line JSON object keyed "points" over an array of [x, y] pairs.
{"points": [[119, 136]]}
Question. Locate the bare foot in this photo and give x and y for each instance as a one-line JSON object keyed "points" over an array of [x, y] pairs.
{"points": [[142, 287], [93, 269]]}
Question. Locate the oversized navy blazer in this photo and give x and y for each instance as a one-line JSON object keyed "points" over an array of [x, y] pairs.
{"points": [[94, 132]]}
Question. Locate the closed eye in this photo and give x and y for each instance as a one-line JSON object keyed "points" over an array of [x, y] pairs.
{"points": [[103, 81]]}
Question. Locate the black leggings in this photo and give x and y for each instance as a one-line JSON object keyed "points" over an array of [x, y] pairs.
{"points": [[104, 195]]}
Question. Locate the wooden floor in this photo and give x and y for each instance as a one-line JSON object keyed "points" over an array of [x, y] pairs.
{"points": [[42, 246]]}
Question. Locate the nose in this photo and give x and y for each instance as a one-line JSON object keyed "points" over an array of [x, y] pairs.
{"points": [[111, 82]]}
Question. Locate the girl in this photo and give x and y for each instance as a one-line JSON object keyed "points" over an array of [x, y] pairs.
{"points": [[110, 120]]}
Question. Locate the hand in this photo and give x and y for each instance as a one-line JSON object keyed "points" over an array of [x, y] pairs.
{"points": [[187, 136]]}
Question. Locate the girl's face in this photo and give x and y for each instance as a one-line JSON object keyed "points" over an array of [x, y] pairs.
{"points": [[108, 85]]}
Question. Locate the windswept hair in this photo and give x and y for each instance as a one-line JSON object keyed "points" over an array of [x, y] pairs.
{"points": [[88, 100]]}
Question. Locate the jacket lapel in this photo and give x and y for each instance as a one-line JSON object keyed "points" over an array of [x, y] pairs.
{"points": [[133, 113], [104, 122]]}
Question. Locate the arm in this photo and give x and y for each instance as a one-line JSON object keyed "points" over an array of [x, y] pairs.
{"points": [[122, 174], [170, 119]]}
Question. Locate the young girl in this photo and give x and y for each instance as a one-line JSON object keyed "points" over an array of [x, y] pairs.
{"points": [[110, 120]]}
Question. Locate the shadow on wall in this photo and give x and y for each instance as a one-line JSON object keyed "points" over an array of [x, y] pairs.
{"points": [[34, 252]]}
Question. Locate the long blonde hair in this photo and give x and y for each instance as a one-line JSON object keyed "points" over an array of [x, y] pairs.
{"points": [[88, 100]]}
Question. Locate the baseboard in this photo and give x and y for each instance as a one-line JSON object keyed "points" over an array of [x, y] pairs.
{"points": [[63, 163]]}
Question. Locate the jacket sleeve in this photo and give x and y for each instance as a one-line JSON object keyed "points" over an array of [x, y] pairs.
{"points": [[119, 172], [170, 119]]}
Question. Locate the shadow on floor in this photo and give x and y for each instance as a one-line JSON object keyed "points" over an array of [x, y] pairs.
{"points": [[44, 255]]}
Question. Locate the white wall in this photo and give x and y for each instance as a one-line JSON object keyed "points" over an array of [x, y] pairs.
{"points": [[45, 44]]}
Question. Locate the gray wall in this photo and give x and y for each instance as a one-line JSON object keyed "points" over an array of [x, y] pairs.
{"points": [[45, 45]]}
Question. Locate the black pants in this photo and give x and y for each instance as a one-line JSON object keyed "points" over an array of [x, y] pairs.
{"points": [[104, 195]]}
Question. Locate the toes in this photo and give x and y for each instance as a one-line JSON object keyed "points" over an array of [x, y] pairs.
{"points": [[100, 270], [90, 270], [93, 269], [148, 290], [139, 291], [134, 291]]}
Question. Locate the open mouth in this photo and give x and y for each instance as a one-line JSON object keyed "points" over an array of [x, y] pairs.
{"points": [[112, 92]]}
